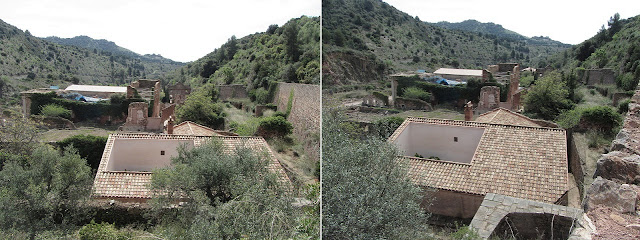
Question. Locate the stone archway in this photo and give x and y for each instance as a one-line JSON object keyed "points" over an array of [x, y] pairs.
{"points": [[495, 208]]}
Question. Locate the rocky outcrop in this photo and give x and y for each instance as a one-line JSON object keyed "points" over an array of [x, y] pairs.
{"points": [[619, 166], [612, 199], [620, 197]]}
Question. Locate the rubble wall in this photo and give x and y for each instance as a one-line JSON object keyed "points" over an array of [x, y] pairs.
{"points": [[305, 112]]}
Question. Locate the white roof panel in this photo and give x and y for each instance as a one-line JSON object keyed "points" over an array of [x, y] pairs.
{"points": [[93, 88], [462, 72]]}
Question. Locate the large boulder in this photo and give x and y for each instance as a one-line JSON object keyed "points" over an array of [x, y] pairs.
{"points": [[619, 166], [619, 197]]}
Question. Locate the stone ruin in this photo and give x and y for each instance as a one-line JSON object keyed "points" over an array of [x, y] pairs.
{"points": [[178, 93], [138, 119], [490, 95], [598, 76], [232, 91]]}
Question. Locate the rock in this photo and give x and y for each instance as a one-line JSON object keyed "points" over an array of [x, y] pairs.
{"points": [[619, 166], [633, 226], [619, 197], [618, 219]]}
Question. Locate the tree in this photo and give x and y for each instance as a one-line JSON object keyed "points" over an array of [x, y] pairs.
{"points": [[366, 192], [384, 127], [416, 93], [18, 135], [89, 147], [54, 110], [615, 25], [199, 108], [291, 41], [548, 97], [231, 194], [45, 189]]}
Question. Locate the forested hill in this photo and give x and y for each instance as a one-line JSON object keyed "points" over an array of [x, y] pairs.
{"points": [[617, 46], [107, 46], [364, 40], [288, 53], [29, 62]]}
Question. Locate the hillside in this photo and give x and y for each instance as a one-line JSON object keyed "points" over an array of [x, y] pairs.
{"points": [[107, 46], [288, 53], [616, 47], [364, 40], [29, 62], [499, 31]]}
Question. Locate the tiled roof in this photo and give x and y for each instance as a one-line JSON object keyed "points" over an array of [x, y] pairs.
{"points": [[130, 184], [504, 116], [191, 128], [464, 72], [518, 161]]}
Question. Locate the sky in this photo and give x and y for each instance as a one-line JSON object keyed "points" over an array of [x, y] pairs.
{"points": [[569, 22], [181, 30]]}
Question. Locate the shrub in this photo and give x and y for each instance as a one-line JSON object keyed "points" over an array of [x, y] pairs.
{"points": [[623, 106], [100, 231], [89, 147], [53, 110], [465, 233], [384, 127], [274, 127], [601, 118], [416, 93]]}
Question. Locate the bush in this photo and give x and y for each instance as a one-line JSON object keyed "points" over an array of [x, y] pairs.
{"points": [[278, 126], [89, 147], [53, 110], [416, 93], [601, 118], [384, 127], [623, 106], [201, 109], [101, 231]]}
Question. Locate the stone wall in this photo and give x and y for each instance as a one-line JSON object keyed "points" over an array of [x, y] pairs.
{"points": [[506, 67], [489, 98], [599, 76], [232, 91], [305, 113], [452, 204], [137, 117], [411, 104], [178, 93], [373, 101]]}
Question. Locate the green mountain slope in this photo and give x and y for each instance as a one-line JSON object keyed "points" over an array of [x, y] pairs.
{"points": [[108, 46], [29, 62], [364, 40], [289, 53], [616, 47], [499, 31]]}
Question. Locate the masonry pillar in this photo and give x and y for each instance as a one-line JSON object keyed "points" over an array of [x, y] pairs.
{"points": [[394, 88], [170, 125], [514, 83], [26, 105], [468, 111], [156, 100]]}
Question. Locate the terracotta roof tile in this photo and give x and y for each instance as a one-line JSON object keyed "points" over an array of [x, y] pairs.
{"points": [[518, 161], [191, 128], [131, 184], [507, 117]]}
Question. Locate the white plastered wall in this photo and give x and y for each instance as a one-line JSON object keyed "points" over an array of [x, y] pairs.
{"points": [[438, 140], [143, 154]]}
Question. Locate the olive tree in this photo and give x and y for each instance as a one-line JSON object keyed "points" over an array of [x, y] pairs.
{"points": [[366, 192]]}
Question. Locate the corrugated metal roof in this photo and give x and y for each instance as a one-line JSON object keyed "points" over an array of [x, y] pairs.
{"points": [[93, 88], [462, 72]]}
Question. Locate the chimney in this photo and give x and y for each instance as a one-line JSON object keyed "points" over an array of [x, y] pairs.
{"points": [[170, 125], [394, 88], [468, 111]]}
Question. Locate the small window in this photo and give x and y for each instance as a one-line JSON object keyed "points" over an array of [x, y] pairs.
{"points": [[162, 152], [455, 139]]}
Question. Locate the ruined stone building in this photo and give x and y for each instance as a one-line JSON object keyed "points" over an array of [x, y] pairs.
{"points": [[178, 93], [604, 76], [489, 98], [128, 160], [501, 152]]}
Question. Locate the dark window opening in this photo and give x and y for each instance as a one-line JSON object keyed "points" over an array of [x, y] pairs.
{"points": [[455, 139], [162, 153]]}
